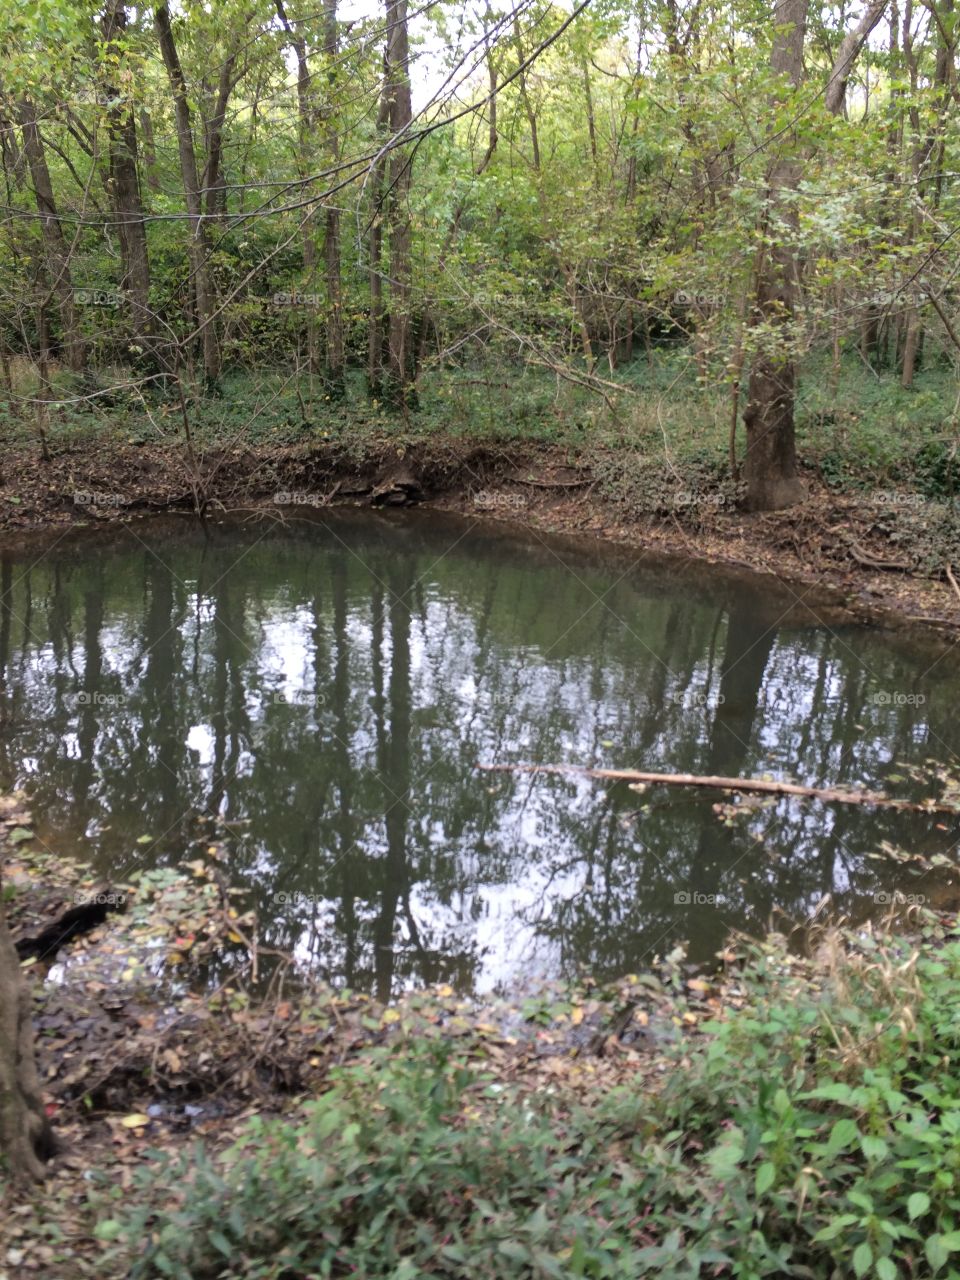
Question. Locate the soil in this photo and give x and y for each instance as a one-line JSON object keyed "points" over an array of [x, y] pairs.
{"points": [[832, 542]]}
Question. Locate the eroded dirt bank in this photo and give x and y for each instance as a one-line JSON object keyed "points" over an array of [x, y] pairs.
{"points": [[883, 556]]}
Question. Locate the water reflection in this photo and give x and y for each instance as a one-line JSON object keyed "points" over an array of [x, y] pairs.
{"points": [[325, 688]]}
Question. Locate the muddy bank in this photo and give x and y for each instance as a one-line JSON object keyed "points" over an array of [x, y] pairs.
{"points": [[882, 557]]}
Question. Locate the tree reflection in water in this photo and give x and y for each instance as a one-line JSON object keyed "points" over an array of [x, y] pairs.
{"points": [[325, 687]]}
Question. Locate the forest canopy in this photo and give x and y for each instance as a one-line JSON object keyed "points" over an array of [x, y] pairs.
{"points": [[391, 194]]}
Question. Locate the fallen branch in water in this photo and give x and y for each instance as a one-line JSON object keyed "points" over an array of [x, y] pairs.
{"points": [[765, 786]]}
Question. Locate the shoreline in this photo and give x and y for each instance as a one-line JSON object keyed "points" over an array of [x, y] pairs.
{"points": [[829, 544]]}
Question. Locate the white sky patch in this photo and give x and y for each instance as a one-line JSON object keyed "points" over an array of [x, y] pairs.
{"points": [[200, 739]]}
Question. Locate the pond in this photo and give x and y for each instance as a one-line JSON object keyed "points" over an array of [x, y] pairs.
{"points": [[325, 686]]}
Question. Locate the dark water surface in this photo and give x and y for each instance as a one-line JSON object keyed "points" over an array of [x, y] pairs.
{"points": [[333, 682]]}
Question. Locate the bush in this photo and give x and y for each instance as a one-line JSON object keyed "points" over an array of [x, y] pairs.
{"points": [[814, 1132]]}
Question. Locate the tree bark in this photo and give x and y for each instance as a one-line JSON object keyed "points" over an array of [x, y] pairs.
{"points": [[331, 239], [771, 462], [199, 249], [125, 189], [149, 150], [56, 249], [400, 372], [770, 467], [836, 94], [307, 115], [214, 183], [26, 1139], [376, 318]]}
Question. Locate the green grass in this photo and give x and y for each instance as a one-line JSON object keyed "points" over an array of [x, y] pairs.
{"points": [[865, 432]]}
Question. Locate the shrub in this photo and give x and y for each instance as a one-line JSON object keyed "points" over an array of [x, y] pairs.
{"points": [[813, 1132]]}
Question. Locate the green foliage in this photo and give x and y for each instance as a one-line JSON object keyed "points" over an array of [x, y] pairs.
{"points": [[813, 1132]]}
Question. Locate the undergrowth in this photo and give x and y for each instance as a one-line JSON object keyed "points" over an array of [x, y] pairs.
{"points": [[812, 1131]]}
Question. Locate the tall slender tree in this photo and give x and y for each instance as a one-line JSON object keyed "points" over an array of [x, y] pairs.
{"points": [[199, 246]]}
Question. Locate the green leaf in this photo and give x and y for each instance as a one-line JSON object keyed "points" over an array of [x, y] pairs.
{"points": [[918, 1204], [831, 1093], [874, 1148], [19, 834], [766, 1176], [843, 1134], [833, 1229], [220, 1241], [862, 1259], [886, 1269], [937, 1255]]}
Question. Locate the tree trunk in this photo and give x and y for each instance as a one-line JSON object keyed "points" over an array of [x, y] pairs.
{"points": [[770, 467], [307, 115], [125, 189], [771, 462], [56, 249], [26, 1139], [400, 372], [149, 150], [331, 241], [911, 345], [214, 183], [375, 324], [199, 249]]}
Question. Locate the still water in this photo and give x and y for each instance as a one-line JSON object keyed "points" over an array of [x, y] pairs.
{"points": [[325, 687]]}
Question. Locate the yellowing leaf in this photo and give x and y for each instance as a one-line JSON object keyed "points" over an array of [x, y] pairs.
{"points": [[576, 1017], [135, 1121], [391, 1015]]}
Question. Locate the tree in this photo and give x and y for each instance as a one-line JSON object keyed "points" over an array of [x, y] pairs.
{"points": [[57, 251], [26, 1139], [400, 372], [125, 179], [198, 241], [334, 321], [771, 462]]}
